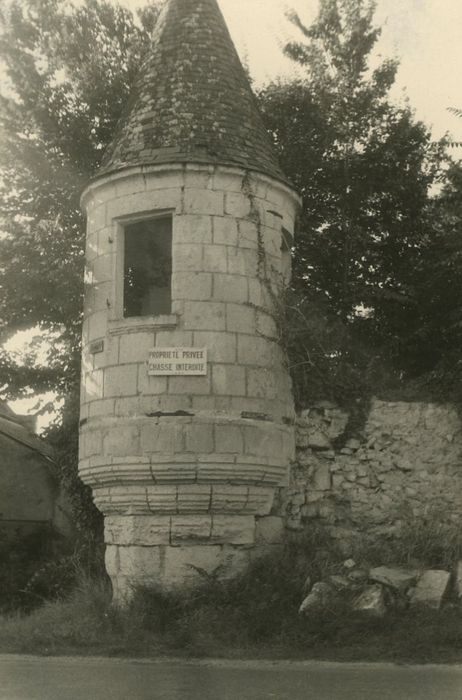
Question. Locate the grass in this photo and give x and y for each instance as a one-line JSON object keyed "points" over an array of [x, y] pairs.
{"points": [[255, 615]]}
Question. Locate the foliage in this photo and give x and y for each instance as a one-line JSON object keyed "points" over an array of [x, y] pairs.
{"points": [[253, 615], [69, 69], [364, 167]]}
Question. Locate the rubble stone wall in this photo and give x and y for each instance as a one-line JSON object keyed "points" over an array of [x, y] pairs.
{"points": [[406, 461]]}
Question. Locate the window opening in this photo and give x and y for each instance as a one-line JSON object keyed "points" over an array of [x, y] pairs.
{"points": [[148, 267]]}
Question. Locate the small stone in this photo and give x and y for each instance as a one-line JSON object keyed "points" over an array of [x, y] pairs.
{"points": [[358, 575], [404, 465], [371, 601], [349, 564], [430, 589], [353, 444], [307, 585], [397, 579], [322, 478], [320, 598]]}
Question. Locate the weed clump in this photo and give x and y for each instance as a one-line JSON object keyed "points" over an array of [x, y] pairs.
{"points": [[253, 614]]}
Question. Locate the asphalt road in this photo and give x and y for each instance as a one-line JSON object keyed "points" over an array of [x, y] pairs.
{"points": [[31, 678]]}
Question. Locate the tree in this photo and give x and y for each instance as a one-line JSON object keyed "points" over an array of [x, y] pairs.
{"points": [[69, 70], [364, 167]]}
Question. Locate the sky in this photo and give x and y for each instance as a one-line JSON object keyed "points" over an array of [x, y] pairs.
{"points": [[426, 35]]}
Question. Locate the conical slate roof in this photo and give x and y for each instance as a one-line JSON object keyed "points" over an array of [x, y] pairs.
{"points": [[192, 101]]}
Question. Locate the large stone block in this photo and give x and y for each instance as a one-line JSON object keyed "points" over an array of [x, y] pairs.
{"points": [[97, 325], [396, 578], [162, 437], [140, 530], [183, 565], [198, 176], [102, 269], [120, 381], [242, 261], [225, 232], [430, 589], [191, 529], [248, 234], [194, 386], [215, 259], [261, 383], [137, 563], [145, 201], [226, 499], [228, 180], [199, 438], [164, 471], [195, 286], [192, 229], [252, 350], [322, 478], [238, 205], [233, 530], [135, 347], [150, 385], [266, 325], [97, 217], [128, 407], [122, 440], [202, 315], [91, 443], [101, 408], [263, 440], [240, 319], [160, 499], [188, 258], [221, 346], [92, 386], [458, 580], [111, 560], [198, 201], [230, 288], [228, 380], [229, 439], [193, 498]]}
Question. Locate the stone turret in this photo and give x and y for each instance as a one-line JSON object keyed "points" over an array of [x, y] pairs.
{"points": [[187, 414]]}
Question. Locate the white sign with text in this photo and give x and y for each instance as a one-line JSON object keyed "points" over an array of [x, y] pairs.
{"points": [[169, 362]]}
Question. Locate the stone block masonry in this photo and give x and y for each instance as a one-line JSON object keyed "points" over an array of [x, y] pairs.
{"points": [[405, 463], [185, 468]]}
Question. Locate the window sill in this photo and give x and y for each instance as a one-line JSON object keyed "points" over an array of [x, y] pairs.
{"points": [[139, 324]]}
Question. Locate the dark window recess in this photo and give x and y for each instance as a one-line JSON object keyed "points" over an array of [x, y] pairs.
{"points": [[148, 268]]}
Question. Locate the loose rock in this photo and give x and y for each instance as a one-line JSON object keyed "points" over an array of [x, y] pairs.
{"points": [[321, 598], [430, 589], [358, 575], [458, 580], [371, 601], [396, 578], [349, 564], [341, 583]]}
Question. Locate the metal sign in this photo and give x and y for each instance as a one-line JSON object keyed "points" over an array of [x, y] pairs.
{"points": [[169, 362]]}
